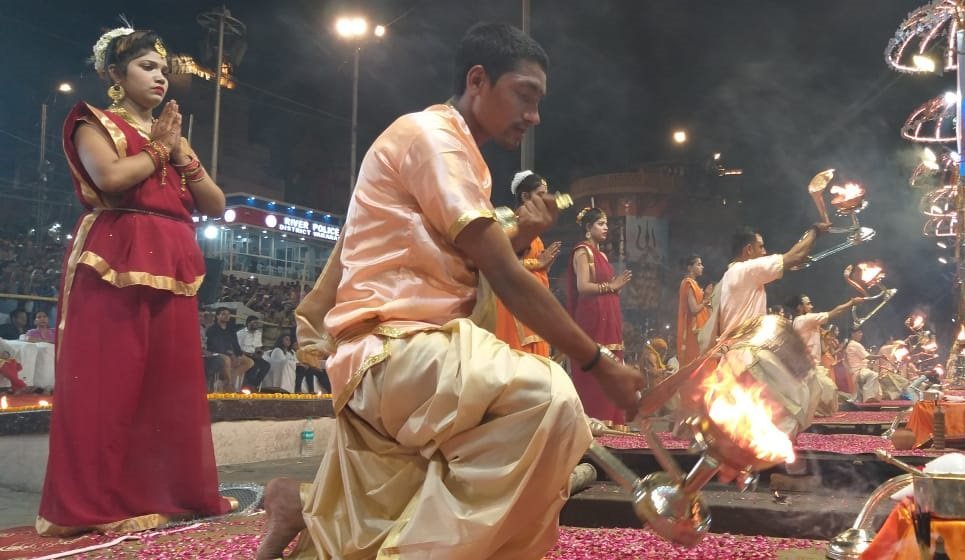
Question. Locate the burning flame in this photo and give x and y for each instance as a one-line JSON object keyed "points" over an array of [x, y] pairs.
{"points": [[870, 273], [744, 414], [930, 346], [899, 353], [246, 391], [961, 334], [850, 191], [3, 403], [915, 322], [939, 370]]}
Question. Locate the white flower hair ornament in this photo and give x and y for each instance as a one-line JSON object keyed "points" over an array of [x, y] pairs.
{"points": [[517, 179], [100, 47]]}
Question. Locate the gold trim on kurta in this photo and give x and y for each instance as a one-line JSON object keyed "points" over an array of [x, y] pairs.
{"points": [[460, 224], [614, 347], [395, 332], [115, 132], [79, 241], [137, 278], [353, 382]]}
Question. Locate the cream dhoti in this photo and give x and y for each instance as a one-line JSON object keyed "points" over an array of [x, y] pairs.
{"points": [[452, 445]]}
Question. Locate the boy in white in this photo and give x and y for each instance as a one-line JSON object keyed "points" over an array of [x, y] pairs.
{"points": [[856, 360], [808, 325]]}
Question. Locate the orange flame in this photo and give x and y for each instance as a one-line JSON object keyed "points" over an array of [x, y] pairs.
{"points": [[930, 346], [3, 403], [961, 334], [743, 413], [42, 402], [870, 273], [899, 353], [916, 322], [847, 193], [939, 370]]}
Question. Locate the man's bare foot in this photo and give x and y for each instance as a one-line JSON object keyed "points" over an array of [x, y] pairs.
{"points": [[283, 506]]}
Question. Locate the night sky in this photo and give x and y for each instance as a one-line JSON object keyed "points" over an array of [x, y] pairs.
{"points": [[782, 89]]}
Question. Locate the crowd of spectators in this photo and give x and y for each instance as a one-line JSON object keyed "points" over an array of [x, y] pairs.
{"points": [[274, 303], [30, 266]]}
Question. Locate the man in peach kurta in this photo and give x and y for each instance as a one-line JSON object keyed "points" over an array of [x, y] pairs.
{"points": [[447, 443]]}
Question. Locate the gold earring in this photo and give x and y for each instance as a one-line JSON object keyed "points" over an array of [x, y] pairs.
{"points": [[587, 235], [116, 93]]}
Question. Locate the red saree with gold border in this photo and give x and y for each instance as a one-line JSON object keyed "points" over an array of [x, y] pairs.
{"points": [[130, 434]]}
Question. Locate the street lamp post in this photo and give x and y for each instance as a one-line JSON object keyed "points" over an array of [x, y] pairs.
{"points": [[355, 120], [62, 88], [221, 22], [527, 152], [355, 29]]}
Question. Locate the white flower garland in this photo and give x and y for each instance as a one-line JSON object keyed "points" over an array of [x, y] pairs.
{"points": [[517, 179], [100, 47]]}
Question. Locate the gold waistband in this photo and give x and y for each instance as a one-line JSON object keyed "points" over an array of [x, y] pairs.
{"points": [[366, 328]]}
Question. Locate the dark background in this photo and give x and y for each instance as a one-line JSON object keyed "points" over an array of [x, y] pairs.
{"points": [[781, 89]]}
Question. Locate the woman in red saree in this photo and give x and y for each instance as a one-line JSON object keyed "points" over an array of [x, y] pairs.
{"points": [[130, 436], [593, 300], [692, 311], [537, 260]]}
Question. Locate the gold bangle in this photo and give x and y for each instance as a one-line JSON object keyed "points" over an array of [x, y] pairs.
{"points": [[191, 161], [151, 153]]}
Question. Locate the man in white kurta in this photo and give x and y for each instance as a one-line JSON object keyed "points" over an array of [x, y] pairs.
{"points": [[808, 324], [742, 293], [856, 361]]}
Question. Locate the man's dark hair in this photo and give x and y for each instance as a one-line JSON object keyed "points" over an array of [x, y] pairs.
{"points": [[794, 302], [250, 319], [498, 48], [529, 184], [743, 237]]}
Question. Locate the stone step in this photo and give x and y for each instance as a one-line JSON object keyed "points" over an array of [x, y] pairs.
{"points": [[811, 515], [855, 474]]}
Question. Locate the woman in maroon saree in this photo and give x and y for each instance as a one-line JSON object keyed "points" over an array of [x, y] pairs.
{"points": [[593, 300], [130, 434]]}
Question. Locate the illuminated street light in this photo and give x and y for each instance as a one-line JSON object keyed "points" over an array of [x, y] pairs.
{"points": [[923, 63], [355, 28], [680, 136], [65, 87], [351, 27]]}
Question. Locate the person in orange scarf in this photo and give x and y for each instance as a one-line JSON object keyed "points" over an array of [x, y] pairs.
{"points": [[537, 259], [693, 309]]}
